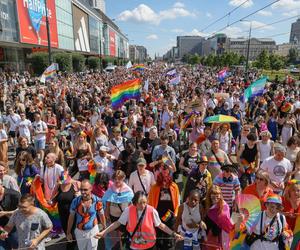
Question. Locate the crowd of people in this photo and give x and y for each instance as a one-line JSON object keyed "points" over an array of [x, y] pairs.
{"points": [[151, 174]]}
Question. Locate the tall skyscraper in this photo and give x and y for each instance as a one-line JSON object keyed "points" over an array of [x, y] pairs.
{"points": [[295, 32]]}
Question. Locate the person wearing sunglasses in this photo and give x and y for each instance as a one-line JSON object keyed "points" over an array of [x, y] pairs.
{"points": [[260, 188], [87, 212]]}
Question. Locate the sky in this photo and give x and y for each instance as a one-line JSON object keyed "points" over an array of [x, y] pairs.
{"points": [[156, 23]]}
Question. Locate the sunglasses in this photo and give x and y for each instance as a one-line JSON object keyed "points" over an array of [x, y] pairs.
{"points": [[259, 178]]}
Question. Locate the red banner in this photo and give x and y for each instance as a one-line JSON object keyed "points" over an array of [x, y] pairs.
{"points": [[32, 22], [112, 43]]}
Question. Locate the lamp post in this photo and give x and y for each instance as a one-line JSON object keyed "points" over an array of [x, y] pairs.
{"points": [[48, 34], [248, 51]]}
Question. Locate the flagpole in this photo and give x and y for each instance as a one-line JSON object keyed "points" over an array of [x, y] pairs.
{"points": [[48, 34]]}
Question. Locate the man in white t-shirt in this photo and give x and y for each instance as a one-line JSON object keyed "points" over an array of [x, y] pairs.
{"points": [[24, 127], [141, 179], [39, 133], [116, 144], [278, 167], [13, 120]]}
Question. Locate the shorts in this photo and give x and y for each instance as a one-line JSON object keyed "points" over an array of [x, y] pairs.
{"points": [[12, 134], [39, 144]]}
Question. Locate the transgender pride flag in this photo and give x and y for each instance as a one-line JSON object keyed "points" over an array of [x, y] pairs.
{"points": [[222, 75]]}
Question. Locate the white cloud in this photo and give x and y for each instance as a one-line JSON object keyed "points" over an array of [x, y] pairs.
{"points": [[287, 5], [196, 32], [265, 13], [236, 3], [208, 14], [177, 30], [152, 37], [233, 32], [258, 25], [143, 13], [179, 5], [290, 13]]}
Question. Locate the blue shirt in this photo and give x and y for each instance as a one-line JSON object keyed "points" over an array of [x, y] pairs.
{"points": [[86, 219]]}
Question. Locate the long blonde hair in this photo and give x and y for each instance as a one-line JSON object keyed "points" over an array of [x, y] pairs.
{"points": [[215, 190]]}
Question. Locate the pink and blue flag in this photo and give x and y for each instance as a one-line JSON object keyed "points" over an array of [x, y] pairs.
{"points": [[222, 75]]}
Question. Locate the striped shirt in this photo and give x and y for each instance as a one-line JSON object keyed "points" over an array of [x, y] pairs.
{"points": [[229, 188]]}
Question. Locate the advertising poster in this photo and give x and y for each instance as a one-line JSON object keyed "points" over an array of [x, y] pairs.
{"points": [[112, 43], [32, 22], [81, 30]]}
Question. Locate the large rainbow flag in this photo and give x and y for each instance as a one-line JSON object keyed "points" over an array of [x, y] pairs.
{"points": [[140, 67], [125, 91], [51, 210], [296, 239]]}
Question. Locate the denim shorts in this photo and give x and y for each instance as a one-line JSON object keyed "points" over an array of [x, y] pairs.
{"points": [[39, 144]]}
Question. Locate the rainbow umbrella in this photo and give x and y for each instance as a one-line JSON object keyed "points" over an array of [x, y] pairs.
{"points": [[220, 119]]}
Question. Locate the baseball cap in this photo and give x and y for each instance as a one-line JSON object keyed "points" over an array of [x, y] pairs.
{"points": [[202, 159], [141, 161]]}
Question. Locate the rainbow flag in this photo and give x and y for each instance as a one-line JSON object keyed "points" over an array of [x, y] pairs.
{"points": [[51, 210], [237, 242], [140, 67], [296, 239], [49, 73], [167, 216], [92, 171], [125, 91]]}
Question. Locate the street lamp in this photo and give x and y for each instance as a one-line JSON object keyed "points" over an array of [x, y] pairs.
{"points": [[48, 34], [248, 48]]}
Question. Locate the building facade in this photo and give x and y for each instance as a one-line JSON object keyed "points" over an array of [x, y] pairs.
{"points": [[75, 25], [189, 45], [257, 45], [295, 32]]}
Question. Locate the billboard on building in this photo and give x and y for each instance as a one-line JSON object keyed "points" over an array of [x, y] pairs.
{"points": [[81, 30], [32, 22], [112, 43]]}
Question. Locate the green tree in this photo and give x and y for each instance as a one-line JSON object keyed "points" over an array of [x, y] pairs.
{"points": [[293, 55], [78, 62], [242, 60], [93, 62], [39, 62], [276, 62], [263, 61], [186, 58], [194, 59], [64, 61]]}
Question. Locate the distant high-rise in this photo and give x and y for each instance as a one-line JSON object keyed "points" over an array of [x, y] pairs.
{"points": [[189, 45], [295, 32], [99, 4]]}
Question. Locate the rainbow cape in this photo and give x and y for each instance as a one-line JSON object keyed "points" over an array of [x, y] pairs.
{"points": [[51, 210], [125, 91], [92, 171]]}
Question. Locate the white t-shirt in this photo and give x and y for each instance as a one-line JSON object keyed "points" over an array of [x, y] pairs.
{"points": [[3, 134], [117, 148], [125, 217], [147, 180], [277, 169], [50, 178], [39, 127], [13, 121], [24, 128], [106, 165]]}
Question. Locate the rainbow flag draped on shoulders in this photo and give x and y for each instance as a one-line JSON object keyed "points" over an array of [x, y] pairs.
{"points": [[125, 91], [296, 235], [51, 210], [49, 73]]}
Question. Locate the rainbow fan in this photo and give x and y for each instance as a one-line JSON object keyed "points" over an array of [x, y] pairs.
{"points": [[249, 205], [92, 171]]}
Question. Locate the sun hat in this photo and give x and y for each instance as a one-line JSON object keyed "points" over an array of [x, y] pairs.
{"points": [[202, 159]]}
